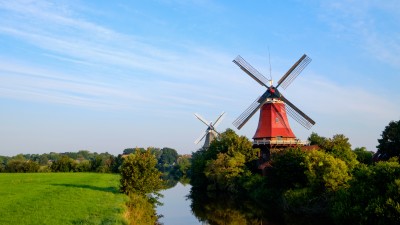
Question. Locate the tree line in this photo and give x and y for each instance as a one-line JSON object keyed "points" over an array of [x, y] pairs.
{"points": [[332, 182], [169, 162]]}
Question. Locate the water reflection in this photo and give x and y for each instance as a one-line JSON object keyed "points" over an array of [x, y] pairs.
{"points": [[176, 206], [220, 209], [183, 206]]}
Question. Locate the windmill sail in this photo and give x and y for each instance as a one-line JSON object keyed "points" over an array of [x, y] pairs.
{"points": [[247, 114], [203, 134], [297, 114], [294, 71], [210, 133], [247, 68], [272, 95], [219, 119]]}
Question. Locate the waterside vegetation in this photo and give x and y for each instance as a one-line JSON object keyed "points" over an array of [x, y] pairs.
{"points": [[333, 182]]}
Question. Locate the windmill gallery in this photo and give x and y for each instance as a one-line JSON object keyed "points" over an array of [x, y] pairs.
{"points": [[273, 131]]}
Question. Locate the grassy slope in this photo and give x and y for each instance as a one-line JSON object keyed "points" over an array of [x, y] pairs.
{"points": [[60, 198]]}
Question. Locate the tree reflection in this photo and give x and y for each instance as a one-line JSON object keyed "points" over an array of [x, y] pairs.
{"points": [[221, 209]]}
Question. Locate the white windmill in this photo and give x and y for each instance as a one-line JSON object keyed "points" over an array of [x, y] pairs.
{"points": [[210, 133]]}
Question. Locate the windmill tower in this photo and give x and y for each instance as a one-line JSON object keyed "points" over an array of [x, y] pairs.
{"points": [[210, 133], [273, 131]]}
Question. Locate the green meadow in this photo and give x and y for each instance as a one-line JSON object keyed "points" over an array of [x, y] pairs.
{"points": [[61, 198]]}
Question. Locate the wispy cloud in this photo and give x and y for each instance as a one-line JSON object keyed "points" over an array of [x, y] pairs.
{"points": [[27, 82], [375, 24], [112, 56]]}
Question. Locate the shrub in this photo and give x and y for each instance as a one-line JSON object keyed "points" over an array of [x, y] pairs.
{"points": [[64, 164], [373, 196], [139, 174], [287, 169], [326, 173]]}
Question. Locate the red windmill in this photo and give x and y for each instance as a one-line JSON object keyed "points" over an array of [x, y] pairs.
{"points": [[273, 127]]}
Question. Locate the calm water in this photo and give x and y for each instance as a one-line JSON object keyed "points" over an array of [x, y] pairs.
{"points": [[176, 208], [181, 207]]}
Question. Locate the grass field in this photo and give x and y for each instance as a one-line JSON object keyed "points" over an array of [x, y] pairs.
{"points": [[61, 198]]}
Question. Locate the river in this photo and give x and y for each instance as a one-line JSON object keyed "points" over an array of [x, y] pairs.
{"points": [[181, 207], [176, 209]]}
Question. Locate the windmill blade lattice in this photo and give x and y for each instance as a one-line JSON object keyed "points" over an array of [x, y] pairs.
{"points": [[294, 71], [202, 119], [297, 114], [252, 72], [247, 114], [219, 120], [201, 137]]}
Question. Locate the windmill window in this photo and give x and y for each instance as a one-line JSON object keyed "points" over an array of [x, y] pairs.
{"points": [[279, 138], [276, 120]]}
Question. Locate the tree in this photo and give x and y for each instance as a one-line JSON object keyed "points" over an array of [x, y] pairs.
{"points": [[225, 171], [64, 164], [325, 172], [15, 165], [3, 163], [183, 165], [22, 166], [287, 169], [364, 156], [315, 139], [132, 150], [373, 196], [83, 166], [389, 144], [232, 147], [102, 163], [338, 146], [139, 174], [168, 156], [43, 160]]}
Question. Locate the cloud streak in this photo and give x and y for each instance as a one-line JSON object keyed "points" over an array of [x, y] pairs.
{"points": [[379, 36], [111, 56]]}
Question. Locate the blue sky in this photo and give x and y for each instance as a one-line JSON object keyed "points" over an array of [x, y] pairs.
{"points": [[108, 75]]}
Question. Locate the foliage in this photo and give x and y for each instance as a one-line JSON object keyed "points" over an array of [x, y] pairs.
{"points": [[21, 166], [81, 161], [304, 201], [183, 165], [325, 173], [83, 166], [102, 163], [3, 162], [300, 182], [230, 154], [139, 174], [338, 146], [389, 144], [198, 179], [373, 196], [168, 156], [224, 172], [231, 143], [315, 139], [128, 151], [287, 169], [364, 156], [140, 211], [64, 164], [167, 159]]}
